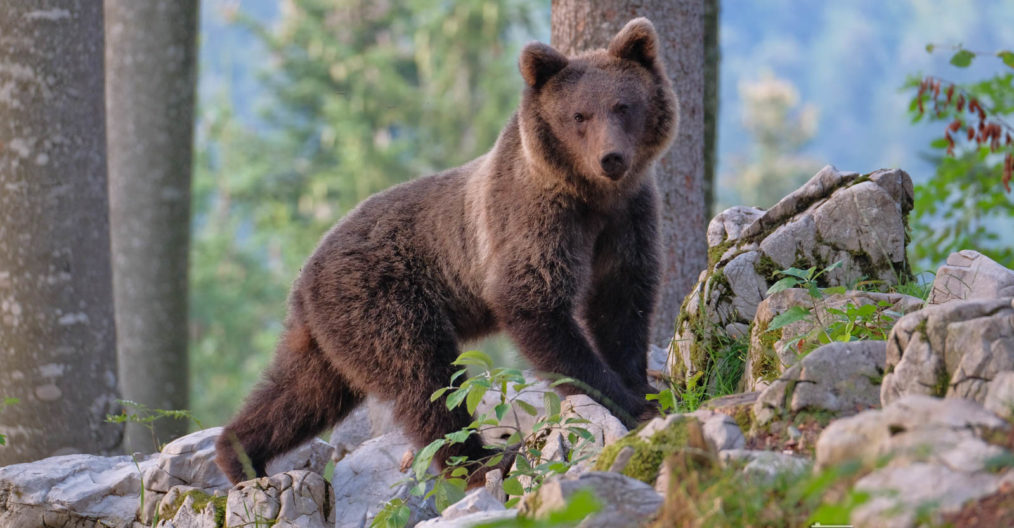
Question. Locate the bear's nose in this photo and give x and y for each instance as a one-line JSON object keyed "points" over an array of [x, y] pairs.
{"points": [[614, 165]]}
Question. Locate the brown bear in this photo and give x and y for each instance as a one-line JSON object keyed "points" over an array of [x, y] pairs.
{"points": [[551, 237]]}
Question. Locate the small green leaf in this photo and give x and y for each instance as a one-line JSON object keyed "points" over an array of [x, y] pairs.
{"points": [[834, 289], [1007, 57], [475, 357], [457, 374], [962, 58], [501, 410], [939, 143], [930, 48], [552, 402], [561, 381], [459, 471], [475, 394], [438, 393], [513, 486], [523, 463], [796, 313], [458, 437], [3, 440], [527, 407], [424, 457], [783, 284], [457, 397], [495, 460]]}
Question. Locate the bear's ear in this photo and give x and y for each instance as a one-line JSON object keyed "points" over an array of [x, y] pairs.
{"points": [[539, 62], [637, 41]]}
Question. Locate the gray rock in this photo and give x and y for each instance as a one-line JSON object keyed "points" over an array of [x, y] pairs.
{"points": [[72, 490], [969, 274], [767, 359], [953, 349], [721, 432], [626, 502], [915, 428], [859, 220], [190, 461], [1000, 398], [365, 479], [900, 493], [293, 499], [470, 520], [841, 378], [765, 465], [729, 224], [477, 500], [370, 420]]}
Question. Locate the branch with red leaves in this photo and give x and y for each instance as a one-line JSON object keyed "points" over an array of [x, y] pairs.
{"points": [[983, 126]]}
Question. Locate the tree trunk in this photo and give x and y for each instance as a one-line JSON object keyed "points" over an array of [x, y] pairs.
{"points": [[57, 335], [578, 25], [151, 67], [712, 58]]}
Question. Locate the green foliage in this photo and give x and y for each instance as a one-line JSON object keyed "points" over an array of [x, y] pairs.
{"points": [[362, 96], [6, 402], [530, 469], [849, 323], [716, 496], [964, 205], [395, 514], [146, 416]]}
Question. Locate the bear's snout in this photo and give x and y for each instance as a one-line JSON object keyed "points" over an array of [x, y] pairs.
{"points": [[614, 164]]}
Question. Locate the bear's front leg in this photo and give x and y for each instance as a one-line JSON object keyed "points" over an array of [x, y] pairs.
{"points": [[620, 307], [543, 325]]}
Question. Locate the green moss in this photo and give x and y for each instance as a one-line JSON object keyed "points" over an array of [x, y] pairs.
{"points": [[715, 252], [766, 267], [648, 454], [743, 415], [765, 366], [201, 501]]}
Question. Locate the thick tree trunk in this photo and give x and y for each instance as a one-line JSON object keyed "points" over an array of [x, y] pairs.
{"points": [[57, 335], [578, 25], [712, 58], [151, 67]]}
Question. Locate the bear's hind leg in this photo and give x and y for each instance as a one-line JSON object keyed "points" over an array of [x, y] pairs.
{"points": [[300, 396]]}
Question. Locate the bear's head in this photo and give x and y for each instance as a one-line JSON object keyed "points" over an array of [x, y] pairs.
{"points": [[600, 119]]}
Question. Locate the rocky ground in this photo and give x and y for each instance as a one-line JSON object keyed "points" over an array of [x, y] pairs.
{"points": [[856, 401]]}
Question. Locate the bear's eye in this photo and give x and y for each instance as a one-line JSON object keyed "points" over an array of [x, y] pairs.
{"points": [[579, 117], [621, 108]]}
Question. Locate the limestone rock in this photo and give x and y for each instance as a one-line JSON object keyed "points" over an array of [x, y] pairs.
{"points": [[765, 464], [914, 428], [370, 420], [470, 520], [292, 499], [190, 461], [477, 500], [363, 482], [859, 220], [770, 354], [841, 378], [72, 490], [953, 349], [626, 502], [969, 274], [720, 431], [899, 494], [1000, 398]]}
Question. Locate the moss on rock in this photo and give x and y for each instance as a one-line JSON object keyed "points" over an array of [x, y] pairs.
{"points": [[648, 454]]}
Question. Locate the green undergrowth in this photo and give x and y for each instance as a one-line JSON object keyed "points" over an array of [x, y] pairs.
{"points": [[709, 495], [201, 501]]}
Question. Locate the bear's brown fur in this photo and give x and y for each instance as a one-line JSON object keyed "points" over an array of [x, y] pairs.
{"points": [[551, 237]]}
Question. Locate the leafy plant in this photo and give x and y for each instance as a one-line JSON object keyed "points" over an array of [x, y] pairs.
{"points": [[961, 206], [146, 417], [530, 471], [849, 323], [6, 402]]}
